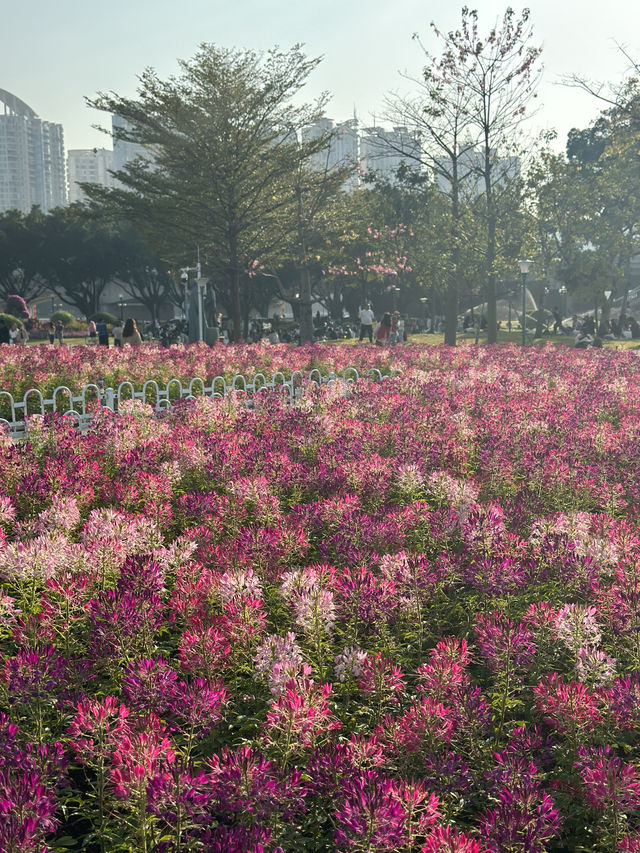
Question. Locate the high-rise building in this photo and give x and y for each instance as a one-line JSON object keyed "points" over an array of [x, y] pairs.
{"points": [[32, 167], [471, 165], [88, 166], [123, 150], [384, 151], [342, 148]]}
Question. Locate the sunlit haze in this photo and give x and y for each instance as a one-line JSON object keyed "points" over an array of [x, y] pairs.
{"points": [[55, 54]]}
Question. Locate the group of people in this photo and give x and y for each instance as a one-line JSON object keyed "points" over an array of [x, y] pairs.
{"points": [[98, 333], [390, 329], [15, 334], [126, 333], [589, 333]]}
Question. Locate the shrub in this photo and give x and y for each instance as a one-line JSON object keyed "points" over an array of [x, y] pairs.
{"points": [[104, 317], [64, 317], [8, 320], [16, 307]]}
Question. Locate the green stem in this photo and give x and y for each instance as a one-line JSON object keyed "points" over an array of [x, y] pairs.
{"points": [[505, 693]]}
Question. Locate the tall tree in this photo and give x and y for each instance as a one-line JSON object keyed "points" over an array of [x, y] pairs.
{"points": [[81, 258], [316, 189], [141, 274], [498, 77], [621, 98], [440, 139], [223, 143], [22, 243]]}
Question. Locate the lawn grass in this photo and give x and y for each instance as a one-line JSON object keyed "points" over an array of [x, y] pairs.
{"points": [[504, 337]]}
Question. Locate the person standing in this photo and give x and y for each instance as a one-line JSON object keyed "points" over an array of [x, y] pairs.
{"points": [[393, 334], [103, 334], [92, 332], [51, 331], [366, 322], [383, 331], [59, 332], [130, 333], [117, 334]]}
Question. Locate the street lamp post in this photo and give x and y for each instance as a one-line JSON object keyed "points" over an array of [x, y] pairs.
{"points": [[525, 266], [202, 283], [121, 303], [184, 278], [424, 301]]}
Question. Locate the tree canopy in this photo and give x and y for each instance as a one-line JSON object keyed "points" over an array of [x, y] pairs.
{"points": [[224, 158]]}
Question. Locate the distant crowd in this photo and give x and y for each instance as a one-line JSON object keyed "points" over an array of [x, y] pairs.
{"points": [[587, 331]]}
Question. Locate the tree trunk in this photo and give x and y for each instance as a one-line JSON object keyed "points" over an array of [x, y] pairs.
{"points": [[492, 308], [451, 299], [540, 315], [306, 311], [451, 312], [236, 307]]}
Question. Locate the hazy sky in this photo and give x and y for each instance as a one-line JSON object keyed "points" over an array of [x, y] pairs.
{"points": [[55, 52]]}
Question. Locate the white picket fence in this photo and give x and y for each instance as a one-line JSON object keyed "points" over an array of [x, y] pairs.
{"points": [[78, 406]]}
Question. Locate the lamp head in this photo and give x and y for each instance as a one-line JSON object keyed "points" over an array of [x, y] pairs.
{"points": [[525, 266]]}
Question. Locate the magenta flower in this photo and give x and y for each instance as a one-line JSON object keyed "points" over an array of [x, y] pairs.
{"points": [[300, 717], [506, 645], [567, 706], [197, 705], [379, 677], [608, 782], [444, 839], [521, 822], [139, 756], [425, 727], [244, 783], [28, 777], [149, 686], [630, 843], [203, 651], [370, 816], [96, 727]]}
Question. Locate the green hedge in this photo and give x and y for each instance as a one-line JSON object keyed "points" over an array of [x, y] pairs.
{"points": [[8, 320], [63, 317], [105, 317]]}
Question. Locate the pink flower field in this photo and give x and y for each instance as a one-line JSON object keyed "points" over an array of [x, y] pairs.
{"points": [[394, 616], [47, 367]]}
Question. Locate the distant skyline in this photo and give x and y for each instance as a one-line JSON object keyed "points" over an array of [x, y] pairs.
{"points": [[56, 53]]}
